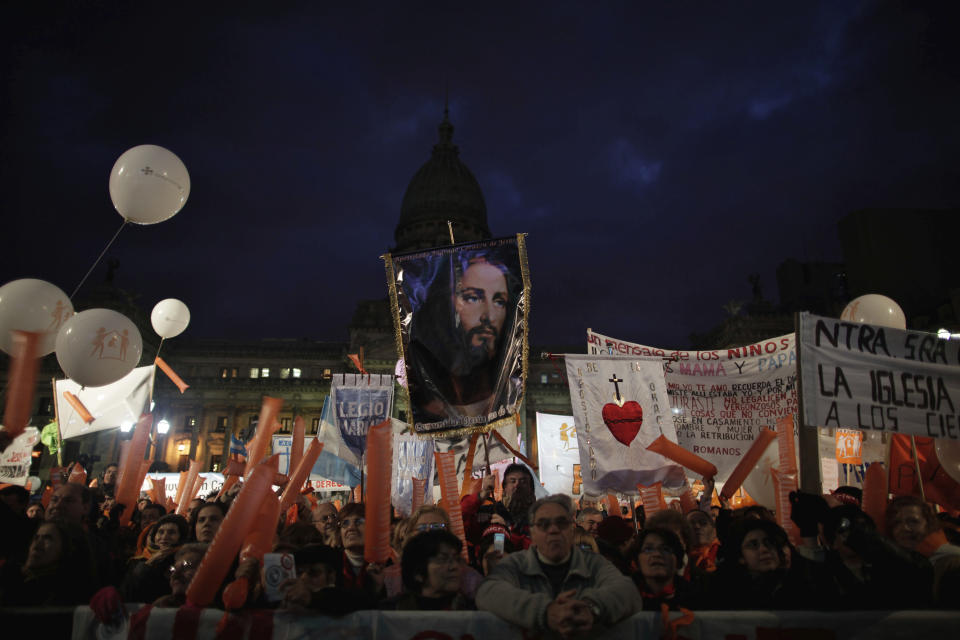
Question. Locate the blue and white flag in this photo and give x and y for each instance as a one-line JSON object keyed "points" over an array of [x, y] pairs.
{"points": [[237, 447], [360, 402], [329, 465]]}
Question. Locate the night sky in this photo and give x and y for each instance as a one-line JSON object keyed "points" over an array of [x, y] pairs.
{"points": [[656, 153]]}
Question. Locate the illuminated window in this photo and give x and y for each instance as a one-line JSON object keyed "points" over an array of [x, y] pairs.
{"points": [[264, 372], [315, 425], [544, 378], [254, 372], [285, 373], [326, 374], [285, 424], [221, 424], [224, 372], [296, 372]]}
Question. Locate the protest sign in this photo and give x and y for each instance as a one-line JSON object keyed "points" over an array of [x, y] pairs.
{"points": [[412, 459], [15, 460], [110, 405], [327, 473], [873, 378], [720, 398], [558, 453], [460, 315], [620, 407], [358, 403]]}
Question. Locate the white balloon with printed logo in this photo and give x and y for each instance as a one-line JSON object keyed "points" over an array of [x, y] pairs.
{"points": [[98, 346], [169, 318], [32, 305], [948, 453], [875, 309], [149, 184]]}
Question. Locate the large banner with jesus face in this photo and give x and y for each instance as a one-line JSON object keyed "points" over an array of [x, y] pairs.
{"points": [[460, 314]]}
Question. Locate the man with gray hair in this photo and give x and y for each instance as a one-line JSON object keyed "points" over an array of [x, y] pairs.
{"points": [[554, 585]]}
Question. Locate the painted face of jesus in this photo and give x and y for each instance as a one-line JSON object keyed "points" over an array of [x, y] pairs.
{"points": [[481, 306]]}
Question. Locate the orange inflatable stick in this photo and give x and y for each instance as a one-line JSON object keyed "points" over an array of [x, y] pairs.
{"points": [[467, 487], [875, 494], [449, 496], [234, 468], [127, 490], [174, 378], [188, 488], [419, 491], [376, 539], [229, 537], [613, 505], [79, 407], [45, 498], [783, 485], [673, 451], [787, 445], [78, 475], [747, 463], [258, 541], [688, 502], [300, 475], [266, 425], [21, 382], [652, 498], [181, 487], [296, 447], [228, 482]]}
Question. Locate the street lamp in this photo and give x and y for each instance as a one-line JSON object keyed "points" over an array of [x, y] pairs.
{"points": [[163, 427], [126, 426]]}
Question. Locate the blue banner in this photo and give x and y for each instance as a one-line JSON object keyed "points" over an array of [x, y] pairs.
{"points": [[360, 402]]}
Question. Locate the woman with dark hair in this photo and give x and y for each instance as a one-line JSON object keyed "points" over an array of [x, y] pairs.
{"points": [[148, 575], [186, 560], [59, 569], [431, 574], [205, 521], [755, 573], [658, 554]]}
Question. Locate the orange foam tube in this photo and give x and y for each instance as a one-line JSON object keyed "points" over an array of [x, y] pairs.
{"points": [[21, 382], [376, 538], [174, 378], [613, 505], [673, 451], [875, 494], [79, 407], [127, 490], [234, 468], [266, 425], [296, 447], [419, 490], [229, 537], [747, 463], [300, 475], [258, 541], [227, 483], [78, 475], [188, 486], [181, 487]]}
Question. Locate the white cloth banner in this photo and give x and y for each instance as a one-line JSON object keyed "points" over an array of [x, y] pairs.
{"points": [[558, 454], [862, 376], [721, 398], [282, 444], [16, 459], [212, 481], [110, 405], [459, 625], [620, 406], [412, 458]]}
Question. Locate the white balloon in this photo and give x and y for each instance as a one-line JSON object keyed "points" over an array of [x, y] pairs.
{"points": [[875, 309], [948, 453], [149, 184], [759, 482], [32, 305], [169, 318], [98, 346]]}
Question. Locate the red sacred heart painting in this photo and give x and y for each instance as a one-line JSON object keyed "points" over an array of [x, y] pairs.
{"points": [[624, 422]]}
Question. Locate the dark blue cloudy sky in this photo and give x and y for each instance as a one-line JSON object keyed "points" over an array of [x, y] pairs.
{"points": [[656, 152]]}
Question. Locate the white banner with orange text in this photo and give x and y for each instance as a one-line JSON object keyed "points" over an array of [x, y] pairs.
{"points": [[558, 454]]}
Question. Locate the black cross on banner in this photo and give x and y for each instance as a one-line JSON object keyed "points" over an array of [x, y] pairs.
{"points": [[616, 386]]}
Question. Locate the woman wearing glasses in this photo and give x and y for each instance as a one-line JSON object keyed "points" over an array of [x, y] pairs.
{"points": [[431, 569], [759, 571], [658, 554], [327, 522]]}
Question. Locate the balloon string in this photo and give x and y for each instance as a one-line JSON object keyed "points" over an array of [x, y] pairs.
{"points": [[99, 258], [158, 348]]}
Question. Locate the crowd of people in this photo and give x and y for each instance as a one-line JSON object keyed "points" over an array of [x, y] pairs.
{"points": [[542, 564]]}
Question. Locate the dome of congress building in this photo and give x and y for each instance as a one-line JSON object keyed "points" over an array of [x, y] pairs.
{"points": [[442, 190]]}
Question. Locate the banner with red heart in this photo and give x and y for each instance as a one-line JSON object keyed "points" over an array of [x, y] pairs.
{"points": [[620, 407]]}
